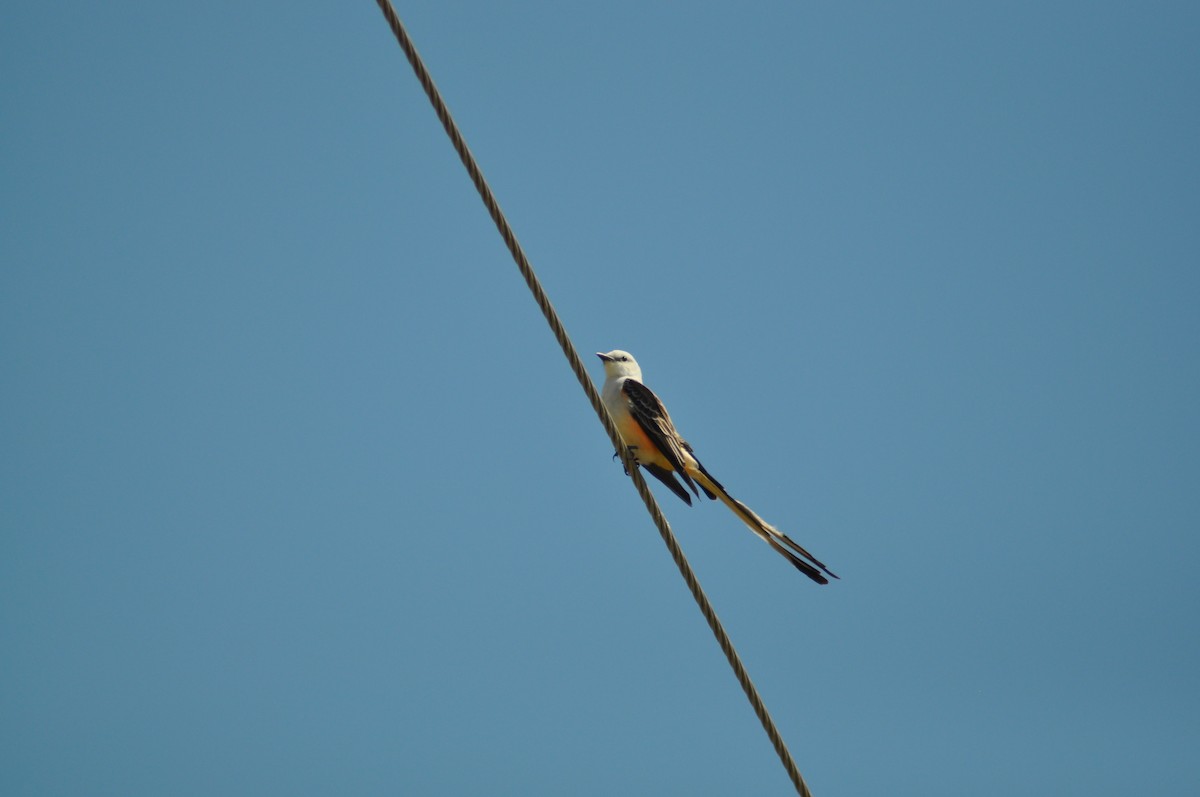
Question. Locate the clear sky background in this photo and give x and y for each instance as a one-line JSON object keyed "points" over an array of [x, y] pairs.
{"points": [[299, 496]]}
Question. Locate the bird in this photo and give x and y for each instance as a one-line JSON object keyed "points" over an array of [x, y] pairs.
{"points": [[646, 428]]}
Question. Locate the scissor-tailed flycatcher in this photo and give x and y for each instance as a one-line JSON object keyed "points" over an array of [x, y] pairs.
{"points": [[646, 428]]}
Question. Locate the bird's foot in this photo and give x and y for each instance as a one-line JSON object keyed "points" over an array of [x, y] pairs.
{"points": [[616, 454]]}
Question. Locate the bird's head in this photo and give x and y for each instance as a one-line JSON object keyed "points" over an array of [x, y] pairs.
{"points": [[619, 363]]}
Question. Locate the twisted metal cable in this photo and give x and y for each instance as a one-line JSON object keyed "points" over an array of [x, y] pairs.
{"points": [[568, 348]]}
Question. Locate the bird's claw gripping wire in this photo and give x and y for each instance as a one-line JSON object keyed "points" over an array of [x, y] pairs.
{"points": [[617, 454]]}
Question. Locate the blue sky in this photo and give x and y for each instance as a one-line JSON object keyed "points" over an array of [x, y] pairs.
{"points": [[298, 495]]}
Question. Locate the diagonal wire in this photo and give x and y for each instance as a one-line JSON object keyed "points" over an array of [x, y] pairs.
{"points": [[568, 348]]}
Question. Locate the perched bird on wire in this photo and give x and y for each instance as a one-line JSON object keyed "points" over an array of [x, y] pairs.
{"points": [[646, 428]]}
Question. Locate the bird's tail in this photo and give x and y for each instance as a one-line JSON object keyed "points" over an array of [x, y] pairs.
{"points": [[785, 545]]}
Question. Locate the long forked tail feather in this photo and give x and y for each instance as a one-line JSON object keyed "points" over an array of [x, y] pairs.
{"points": [[783, 544]]}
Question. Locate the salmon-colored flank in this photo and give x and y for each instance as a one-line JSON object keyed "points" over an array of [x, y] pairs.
{"points": [[647, 453]]}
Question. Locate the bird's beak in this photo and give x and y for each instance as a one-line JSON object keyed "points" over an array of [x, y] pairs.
{"points": [[604, 357]]}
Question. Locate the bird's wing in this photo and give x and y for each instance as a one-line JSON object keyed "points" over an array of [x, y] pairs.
{"points": [[666, 477], [652, 416]]}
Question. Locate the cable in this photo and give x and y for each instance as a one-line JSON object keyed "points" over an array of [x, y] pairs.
{"points": [[568, 348]]}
